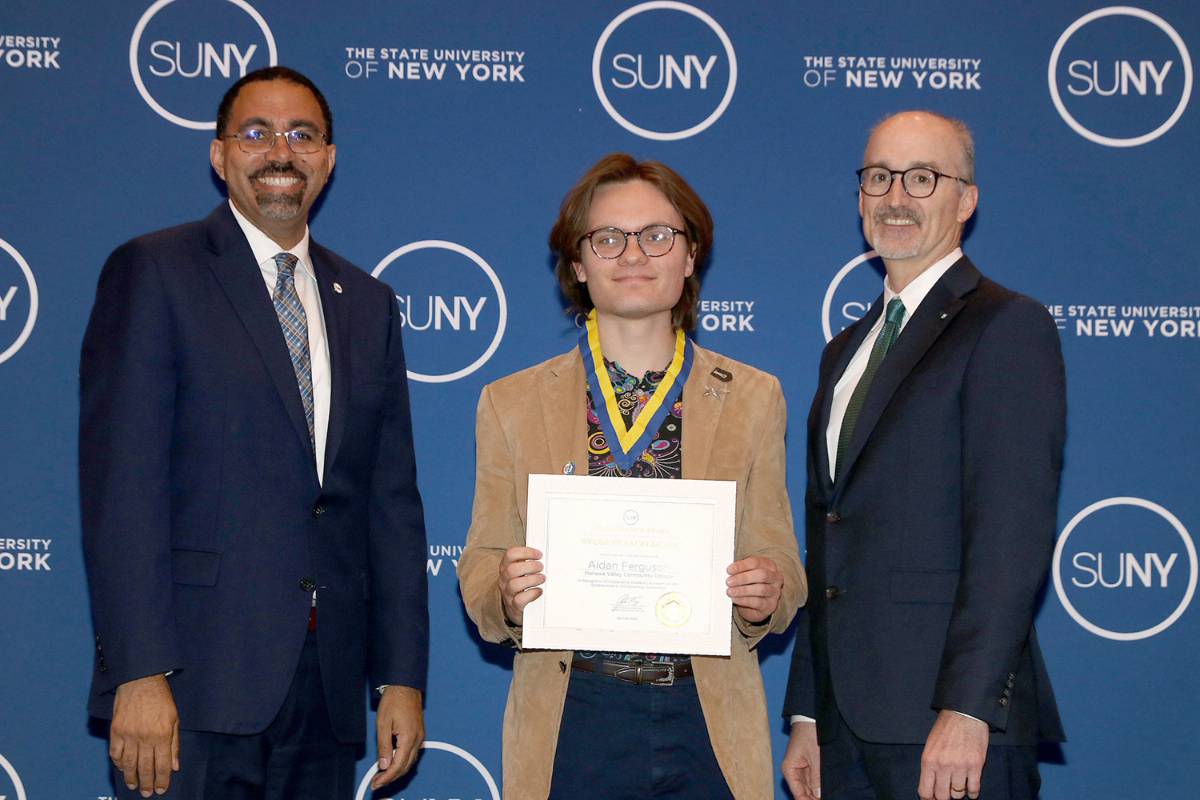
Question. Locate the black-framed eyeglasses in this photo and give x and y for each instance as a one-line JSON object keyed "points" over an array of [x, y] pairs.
{"points": [[918, 182], [654, 240], [257, 139]]}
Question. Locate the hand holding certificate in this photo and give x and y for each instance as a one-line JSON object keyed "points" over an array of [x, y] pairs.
{"points": [[631, 565]]}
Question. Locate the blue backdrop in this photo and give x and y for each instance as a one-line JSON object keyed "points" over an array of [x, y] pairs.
{"points": [[459, 128]]}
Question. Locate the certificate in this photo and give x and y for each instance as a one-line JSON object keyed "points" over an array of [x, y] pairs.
{"points": [[632, 565]]}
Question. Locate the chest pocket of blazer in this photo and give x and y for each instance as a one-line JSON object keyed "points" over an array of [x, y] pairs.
{"points": [[929, 586], [195, 567]]}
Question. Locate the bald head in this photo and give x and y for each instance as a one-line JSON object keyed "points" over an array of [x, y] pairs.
{"points": [[953, 127]]}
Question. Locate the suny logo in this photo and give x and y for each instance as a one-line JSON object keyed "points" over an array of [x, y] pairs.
{"points": [[18, 301], [476, 785], [850, 293], [17, 788], [667, 65], [1125, 568], [454, 319], [183, 53], [1120, 76]]}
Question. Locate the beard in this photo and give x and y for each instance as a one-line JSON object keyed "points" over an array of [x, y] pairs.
{"points": [[280, 206], [895, 249]]}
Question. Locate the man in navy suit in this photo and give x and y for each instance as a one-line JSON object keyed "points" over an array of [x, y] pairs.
{"points": [[252, 529], [934, 451]]}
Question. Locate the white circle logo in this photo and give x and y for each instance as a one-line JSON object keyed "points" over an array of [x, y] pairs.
{"points": [[16, 779], [1133, 85], [364, 787], [201, 44], [643, 76], [849, 311], [447, 317], [1135, 574], [13, 301]]}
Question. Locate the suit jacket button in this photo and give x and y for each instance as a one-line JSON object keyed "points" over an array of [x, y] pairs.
{"points": [[833, 516], [318, 510], [832, 592], [308, 584], [1003, 701]]}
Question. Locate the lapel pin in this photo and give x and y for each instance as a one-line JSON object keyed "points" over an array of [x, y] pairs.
{"points": [[725, 376], [717, 393], [944, 315], [337, 287], [569, 468]]}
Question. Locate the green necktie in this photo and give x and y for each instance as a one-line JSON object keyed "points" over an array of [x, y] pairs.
{"points": [[888, 334]]}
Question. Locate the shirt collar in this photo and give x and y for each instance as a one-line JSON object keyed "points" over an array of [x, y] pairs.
{"points": [[265, 249], [915, 292]]}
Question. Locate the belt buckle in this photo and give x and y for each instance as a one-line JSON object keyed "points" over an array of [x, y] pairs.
{"points": [[669, 679]]}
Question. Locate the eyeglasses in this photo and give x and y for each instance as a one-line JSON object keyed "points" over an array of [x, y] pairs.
{"points": [[654, 240], [257, 140], [918, 182]]}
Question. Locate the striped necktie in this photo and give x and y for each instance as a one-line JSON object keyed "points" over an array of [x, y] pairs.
{"points": [[887, 335], [295, 331]]}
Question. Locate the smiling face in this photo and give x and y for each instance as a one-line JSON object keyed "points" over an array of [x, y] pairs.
{"points": [[911, 234], [276, 189], [634, 285]]}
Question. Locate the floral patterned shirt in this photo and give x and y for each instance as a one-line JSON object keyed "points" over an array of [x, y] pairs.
{"points": [[663, 458]]}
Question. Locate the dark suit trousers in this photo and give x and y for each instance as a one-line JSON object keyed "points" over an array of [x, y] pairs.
{"points": [[852, 769], [295, 758]]}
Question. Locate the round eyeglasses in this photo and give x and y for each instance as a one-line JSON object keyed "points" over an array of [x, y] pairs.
{"points": [[654, 240], [256, 140], [918, 182]]}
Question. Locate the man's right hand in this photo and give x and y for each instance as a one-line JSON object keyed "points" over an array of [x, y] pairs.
{"points": [[520, 575], [802, 762], [143, 741]]}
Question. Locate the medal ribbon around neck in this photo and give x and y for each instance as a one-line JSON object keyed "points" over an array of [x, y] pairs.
{"points": [[627, 445]]}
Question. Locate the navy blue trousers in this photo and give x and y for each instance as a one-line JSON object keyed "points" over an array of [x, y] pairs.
{"points": [[619, 740], [853, 769], [297, 757]]}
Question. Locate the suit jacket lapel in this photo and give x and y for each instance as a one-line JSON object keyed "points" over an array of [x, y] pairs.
{"points": [[233, 263], [826, 384], [337, 333], [935, 313], [704, 398]]}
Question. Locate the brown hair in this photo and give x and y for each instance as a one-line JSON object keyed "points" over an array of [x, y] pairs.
{"points": [[567, 234]]}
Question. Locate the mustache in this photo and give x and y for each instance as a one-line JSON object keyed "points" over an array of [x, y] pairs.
{"points": [[278, 170], [897, 212]]}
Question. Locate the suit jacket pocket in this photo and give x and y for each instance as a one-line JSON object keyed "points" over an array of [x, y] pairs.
{"points": [[923, 586], [195, 567]]}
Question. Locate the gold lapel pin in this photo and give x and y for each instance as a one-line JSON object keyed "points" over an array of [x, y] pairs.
{"points": [[337, 287]]}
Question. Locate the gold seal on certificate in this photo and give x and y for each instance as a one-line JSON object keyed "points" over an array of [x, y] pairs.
{"points": [[673, 609], [631, 565]]}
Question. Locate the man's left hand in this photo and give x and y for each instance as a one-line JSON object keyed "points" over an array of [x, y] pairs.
{"points": [[755, 584], [400, 729], [952, 762]]}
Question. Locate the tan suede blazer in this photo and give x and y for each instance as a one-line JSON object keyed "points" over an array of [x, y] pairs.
{"points": [[534, 421]]}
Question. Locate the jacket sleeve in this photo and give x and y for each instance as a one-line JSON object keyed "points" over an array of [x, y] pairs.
{"points": [[396, 536], [127, 380], [1013, 427], [766, 525], [495, 527]]}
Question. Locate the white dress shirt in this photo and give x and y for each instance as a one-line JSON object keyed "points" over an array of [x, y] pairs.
{"points": [[265, 250]]}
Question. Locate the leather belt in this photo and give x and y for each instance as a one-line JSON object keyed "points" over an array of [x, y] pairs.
{"points": [[642, 673]]}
